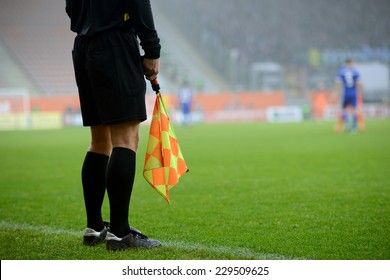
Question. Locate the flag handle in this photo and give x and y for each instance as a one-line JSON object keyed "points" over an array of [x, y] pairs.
{"points": [[155, 85]]}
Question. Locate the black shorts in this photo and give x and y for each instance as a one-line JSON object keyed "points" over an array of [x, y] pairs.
{"points": [[110, 78]]}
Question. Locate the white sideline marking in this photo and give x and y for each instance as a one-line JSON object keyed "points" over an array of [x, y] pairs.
{"points": [[239, 252]]}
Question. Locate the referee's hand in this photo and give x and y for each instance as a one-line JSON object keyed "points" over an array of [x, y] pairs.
{"points": [[151, 68]]}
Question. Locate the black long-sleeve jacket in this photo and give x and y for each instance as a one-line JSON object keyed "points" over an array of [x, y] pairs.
{"points": [[89, 17]]}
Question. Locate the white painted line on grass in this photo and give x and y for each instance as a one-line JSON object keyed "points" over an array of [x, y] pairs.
{"points": [[239, 252]]}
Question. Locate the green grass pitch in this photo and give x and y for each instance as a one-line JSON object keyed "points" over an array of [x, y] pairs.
{"points": [[254, 191]]}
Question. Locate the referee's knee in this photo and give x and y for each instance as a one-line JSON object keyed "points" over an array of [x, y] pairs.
{"points": [[131, 144], [101, 147], [125, 135]]}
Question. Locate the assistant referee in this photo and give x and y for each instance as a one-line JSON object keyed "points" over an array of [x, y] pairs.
{"points": [[110, 73]]}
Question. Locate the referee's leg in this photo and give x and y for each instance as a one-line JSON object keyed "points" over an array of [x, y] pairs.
{"points": [[93, 175], [100, 140], [121, 173], [125, 135]]}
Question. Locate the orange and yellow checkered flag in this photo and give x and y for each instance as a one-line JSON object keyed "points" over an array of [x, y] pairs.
{"points": [[164, 162]]}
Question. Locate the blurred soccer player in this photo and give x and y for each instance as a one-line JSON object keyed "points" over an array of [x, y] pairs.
{"points": [[348, 81], [185, 101]]}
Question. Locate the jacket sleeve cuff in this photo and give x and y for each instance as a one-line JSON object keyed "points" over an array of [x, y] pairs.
{"points": [[152, 53]]}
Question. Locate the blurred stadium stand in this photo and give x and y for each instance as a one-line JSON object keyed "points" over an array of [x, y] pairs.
{"points": [[37, 38], [36, 43], [234, 35], [211, 43], [280, 29]]}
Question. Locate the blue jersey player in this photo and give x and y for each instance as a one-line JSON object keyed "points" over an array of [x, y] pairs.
{"points": [[348, 81], [185, 99]]}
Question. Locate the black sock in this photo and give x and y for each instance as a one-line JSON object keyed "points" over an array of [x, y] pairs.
{"points": [[120, 179], [93, 176]]}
